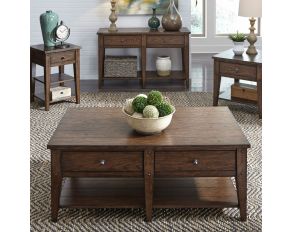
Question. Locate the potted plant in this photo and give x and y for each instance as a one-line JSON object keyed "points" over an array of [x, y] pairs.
{"points": [[238, 40]]}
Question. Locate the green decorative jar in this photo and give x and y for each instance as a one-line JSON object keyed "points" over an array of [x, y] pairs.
{"points": [[49, 21], [154, 22]]}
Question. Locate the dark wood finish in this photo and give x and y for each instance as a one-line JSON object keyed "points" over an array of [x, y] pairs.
{"points": [[50, 57], [238, 67], [56, 183], [241, 181], [129, 193], [143, 38], [194, 161], [148, 179], [102, 161], [209, 135]]}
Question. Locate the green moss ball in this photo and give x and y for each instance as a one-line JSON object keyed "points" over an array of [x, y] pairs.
{"points": [[164, 109], [150, 112], [128, 106], [154, 98], [139, 103]]}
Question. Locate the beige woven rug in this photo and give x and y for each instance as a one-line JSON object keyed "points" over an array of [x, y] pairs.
{"points": [[42, 127]]}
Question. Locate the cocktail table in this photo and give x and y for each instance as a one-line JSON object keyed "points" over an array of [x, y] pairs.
{"points": [[108, 165]]}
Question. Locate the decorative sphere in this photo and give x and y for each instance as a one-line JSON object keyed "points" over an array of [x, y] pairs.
{"points": [[128, 106], [154, 98], [150, 112], [137, 115], [142, 95], [139, 103], [165, 109]]}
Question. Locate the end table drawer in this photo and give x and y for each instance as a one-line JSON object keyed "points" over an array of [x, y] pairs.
{"points": [[102, 161], [62, 58], [125, 40], [195, 161], [238, 70], [154, 41]]}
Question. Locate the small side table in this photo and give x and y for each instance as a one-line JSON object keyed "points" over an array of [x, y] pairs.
{"points": [[243, 67], [48, 57]]}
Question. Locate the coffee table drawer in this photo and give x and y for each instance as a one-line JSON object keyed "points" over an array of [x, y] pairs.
{"points": [[102, 161], [237, 70], [126, 40], [195, 161]]}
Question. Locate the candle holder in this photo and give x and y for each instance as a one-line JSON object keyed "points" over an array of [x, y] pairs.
{"points": [[113, 17]]}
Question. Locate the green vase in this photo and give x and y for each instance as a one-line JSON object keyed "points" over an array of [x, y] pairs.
{"points": [[49, 22], [154, 22]]}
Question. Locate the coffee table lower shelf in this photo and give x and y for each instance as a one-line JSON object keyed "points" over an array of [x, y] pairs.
{"points": [[200, 192]]}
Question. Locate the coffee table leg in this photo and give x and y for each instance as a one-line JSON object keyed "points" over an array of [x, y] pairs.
{"points": [[217, 82], [148, 180], [56, 183], [241, 182]]}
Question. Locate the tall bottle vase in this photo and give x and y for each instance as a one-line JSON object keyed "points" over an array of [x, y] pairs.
{"points": [[49, 21], [171, 20]]}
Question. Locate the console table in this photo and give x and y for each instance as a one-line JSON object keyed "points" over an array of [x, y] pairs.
{"points": [[143, 38], [48, 57], [98, 161], [243, 67]]}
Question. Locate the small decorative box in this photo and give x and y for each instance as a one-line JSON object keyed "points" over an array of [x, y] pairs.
{"points": [[120, 66], [60, 93]]}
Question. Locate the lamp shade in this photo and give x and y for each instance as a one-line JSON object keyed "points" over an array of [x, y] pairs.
{"points": [[250, 8]]}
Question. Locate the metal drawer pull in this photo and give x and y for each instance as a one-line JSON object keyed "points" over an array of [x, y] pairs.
{"points": [[195, 162], [62, 58], [102, 162]]}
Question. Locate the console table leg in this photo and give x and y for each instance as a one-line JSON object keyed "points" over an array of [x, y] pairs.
{"points": [[148, 180], [143, 61], [217, 82], [241, 182], [56, 183]]}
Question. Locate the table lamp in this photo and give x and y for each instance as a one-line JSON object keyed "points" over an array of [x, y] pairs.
{"points": [[251, 8], [113, 18]]}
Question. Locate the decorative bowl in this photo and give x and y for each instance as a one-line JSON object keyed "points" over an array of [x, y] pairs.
{"points": [[148, 126]]}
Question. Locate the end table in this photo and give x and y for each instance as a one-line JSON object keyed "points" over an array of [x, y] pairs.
{"points": [[243, 67], [48, 57]]}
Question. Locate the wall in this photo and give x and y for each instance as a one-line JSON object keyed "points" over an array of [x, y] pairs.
{"points": [[85, 18]]}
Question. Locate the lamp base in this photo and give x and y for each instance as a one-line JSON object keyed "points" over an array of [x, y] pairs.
{"points": [[251, 50]]}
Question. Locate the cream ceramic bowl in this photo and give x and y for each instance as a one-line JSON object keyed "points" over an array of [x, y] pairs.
{"points": [[149, 125]]}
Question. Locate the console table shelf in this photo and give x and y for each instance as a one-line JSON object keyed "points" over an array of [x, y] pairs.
{"points": [[143, 38]]}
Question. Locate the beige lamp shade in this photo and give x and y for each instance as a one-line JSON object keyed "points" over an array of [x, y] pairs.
{"points": [[250, 8]]}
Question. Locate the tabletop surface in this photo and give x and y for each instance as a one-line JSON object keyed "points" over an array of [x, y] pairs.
{"points": [[42, 48], [229, 55], [105, 127], [143, 30]]}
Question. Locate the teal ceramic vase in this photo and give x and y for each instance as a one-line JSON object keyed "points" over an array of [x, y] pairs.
{"points": [[49, 22], [154, 22]]}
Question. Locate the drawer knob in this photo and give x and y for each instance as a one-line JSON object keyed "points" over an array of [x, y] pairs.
{"points": [[236, 70], [102, 162], [62, 58], [195, 162]]}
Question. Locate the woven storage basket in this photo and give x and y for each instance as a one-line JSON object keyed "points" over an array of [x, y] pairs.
{"points": [[120, 66]]}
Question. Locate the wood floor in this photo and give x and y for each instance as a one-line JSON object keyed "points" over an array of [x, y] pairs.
{"points": [[201, 77]]}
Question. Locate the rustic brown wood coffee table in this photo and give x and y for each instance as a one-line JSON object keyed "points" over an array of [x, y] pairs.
{"points": [[108, 165]]}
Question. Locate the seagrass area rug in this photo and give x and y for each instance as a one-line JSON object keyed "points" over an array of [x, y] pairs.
{"points": [[43, 124]]}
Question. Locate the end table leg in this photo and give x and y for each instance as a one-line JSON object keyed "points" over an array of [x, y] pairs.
{"points": [[76, 66], [259, 90], [61, 71], [241, 182], [47, 74], [56, 183], [32, 81], [148, 180], [217, 82]]}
